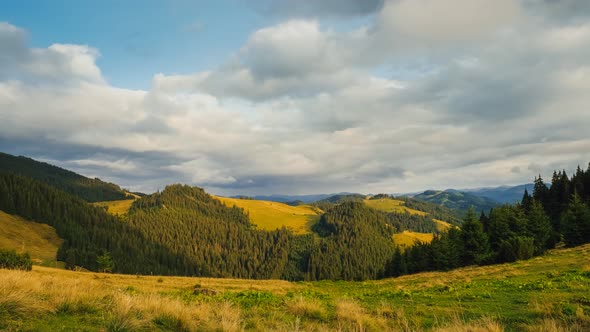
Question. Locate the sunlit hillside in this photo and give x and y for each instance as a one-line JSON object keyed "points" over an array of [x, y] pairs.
{"points": [[391, 205], [120, 207], [548, 293], [407, 238], [272, 215], [39, 240]]}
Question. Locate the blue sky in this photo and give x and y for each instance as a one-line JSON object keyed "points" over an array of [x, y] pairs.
{"points": [[298, 96], [137, 39]]}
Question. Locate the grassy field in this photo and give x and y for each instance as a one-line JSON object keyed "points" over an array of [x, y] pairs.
{"points": [[407, 239], [391, 205], [39, 240], [120, 207], [550, 293], [272, 215]]}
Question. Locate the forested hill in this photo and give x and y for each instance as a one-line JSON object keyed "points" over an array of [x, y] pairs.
{"points": [[88, 232], [91, 190]]}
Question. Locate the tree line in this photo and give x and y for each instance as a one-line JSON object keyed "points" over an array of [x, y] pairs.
{"points": [[184, 231], [552, 214]]}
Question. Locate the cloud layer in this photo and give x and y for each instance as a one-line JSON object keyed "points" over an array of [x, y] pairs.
{"points": [[426, 94]]}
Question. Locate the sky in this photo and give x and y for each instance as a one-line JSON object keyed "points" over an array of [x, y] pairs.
{"points": [[247, 97]]}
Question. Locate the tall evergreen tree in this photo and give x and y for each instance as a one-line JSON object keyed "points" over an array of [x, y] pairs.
{"points": [[576, 222], [476, 248], [541, 192], [539, 227], [526, 201]]}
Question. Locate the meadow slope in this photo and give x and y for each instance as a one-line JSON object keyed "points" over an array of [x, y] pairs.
{"points": [[39, 240], [549, 293], [269, 215]]}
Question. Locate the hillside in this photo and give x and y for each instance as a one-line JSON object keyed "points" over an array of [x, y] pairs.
{"points": [[457, 200], [91, 190], [118, 208], [88, 232], [392, 205], [39, 240], [407, 239], [547, 293], [269, 215]]}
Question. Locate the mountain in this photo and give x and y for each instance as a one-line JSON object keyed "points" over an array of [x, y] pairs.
{"points": [[457, 200], [90, 190], [503, 194], [294, 198]]}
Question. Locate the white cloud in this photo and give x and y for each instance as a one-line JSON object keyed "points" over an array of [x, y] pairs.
{"points": [[302, 107], [424, 22]]}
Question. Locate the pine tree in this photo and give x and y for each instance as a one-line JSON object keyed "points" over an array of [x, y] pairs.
{"points": [[576, 222], [475, 241], [526, 201], [539, 227], [541, 192]]}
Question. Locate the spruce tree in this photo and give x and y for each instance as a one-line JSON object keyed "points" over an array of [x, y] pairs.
{"points": [[476, 248], [539, 227], [576, 222]]}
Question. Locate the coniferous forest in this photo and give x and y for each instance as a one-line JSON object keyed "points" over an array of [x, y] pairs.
{"points": [[182, 230], [550, 216]]}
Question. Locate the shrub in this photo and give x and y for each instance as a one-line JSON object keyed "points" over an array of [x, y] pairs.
{"points": [[9, 259]]}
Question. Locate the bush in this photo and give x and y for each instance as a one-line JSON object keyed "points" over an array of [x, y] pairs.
{"points": [[9, 259]]}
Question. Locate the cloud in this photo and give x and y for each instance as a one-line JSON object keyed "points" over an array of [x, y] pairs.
{"points": [[59, 63], [312, 8], [402, 103], [435, 21]]}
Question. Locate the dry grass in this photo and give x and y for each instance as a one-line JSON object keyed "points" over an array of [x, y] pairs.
{"points": [[485, 324], [391, 205], [39, 240], [426, 301], [120, 207], [269, 215], [407, 239], [442, 226], [307, 308]]}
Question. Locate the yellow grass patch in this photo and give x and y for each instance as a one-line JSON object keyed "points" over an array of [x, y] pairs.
{"points": [[407, 239], [39, 240], [442, 225], [269, 215], [120, 207], [391, 205]]}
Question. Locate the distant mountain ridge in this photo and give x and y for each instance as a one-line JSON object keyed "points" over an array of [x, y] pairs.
{"points": [[292, 198], [502, 194]]}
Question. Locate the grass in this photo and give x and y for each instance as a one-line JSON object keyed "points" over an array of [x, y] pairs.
{"points": [[391, 205], [269, 215], [442, 225], [39, 240], [549, 293], [120, 207], [407, 239]]}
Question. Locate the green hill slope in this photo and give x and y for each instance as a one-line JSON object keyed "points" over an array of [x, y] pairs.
{"points": [[91, 190]]}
